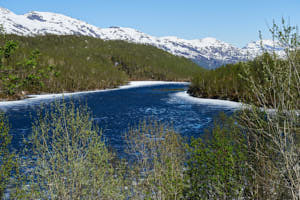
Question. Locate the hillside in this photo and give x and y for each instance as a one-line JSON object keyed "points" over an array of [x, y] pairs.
{"points": [[207, 52], [87, 63]]}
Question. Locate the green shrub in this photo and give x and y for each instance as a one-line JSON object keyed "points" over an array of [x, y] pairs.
{"points": [[7, 158], [273, 134], [217, 166], [159, 156], [69, 159]]}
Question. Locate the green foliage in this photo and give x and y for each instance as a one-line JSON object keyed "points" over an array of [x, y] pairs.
{"points": [[222, 83], [86, 63], [232, 81], [158, 168], [7, 158], [217, 166], [27, 75], [273, 135], [264, 143], [69, 159], [9, 48]]}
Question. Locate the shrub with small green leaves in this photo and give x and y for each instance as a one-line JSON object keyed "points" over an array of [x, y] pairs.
{"points": [[217, 166], [69, 159], [7, 158], [159, 156]]}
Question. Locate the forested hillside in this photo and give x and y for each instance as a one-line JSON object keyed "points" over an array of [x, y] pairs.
{"points": [[73, 63], [231, 81]]}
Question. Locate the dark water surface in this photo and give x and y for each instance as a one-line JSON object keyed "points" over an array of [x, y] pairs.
{"points": [[114, 111]]}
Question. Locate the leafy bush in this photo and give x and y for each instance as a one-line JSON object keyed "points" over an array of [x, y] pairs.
{"points": [[69, 159], [273, 135], [7, 157], [217, 166], [157, 171]]}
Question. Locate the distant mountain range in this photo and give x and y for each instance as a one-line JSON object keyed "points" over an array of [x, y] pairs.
{"points": [[207, 52]]}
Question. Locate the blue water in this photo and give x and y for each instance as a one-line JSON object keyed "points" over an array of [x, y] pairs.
{"points": [[115, 111]]}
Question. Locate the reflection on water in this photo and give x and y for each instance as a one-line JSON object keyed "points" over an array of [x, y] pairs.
{"points": [[114, 111]]}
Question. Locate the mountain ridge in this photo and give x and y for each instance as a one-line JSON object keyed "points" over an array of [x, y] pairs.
{"points": [[207, 52]]}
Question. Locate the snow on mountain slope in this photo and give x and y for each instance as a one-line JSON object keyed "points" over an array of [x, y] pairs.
{"points": [[207, 52], [41, 23], [254, 48]]}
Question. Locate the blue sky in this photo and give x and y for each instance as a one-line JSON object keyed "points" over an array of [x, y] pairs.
{"points": [[233, 21]]}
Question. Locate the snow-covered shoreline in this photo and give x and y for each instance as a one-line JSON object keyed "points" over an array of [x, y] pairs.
{"points": [[131, 84], [216, 102]]}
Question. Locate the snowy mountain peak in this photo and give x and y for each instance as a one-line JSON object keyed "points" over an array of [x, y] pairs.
{"points": [[256, 48], [4, 10], [264, 43], [208, 52], [210, 40]]}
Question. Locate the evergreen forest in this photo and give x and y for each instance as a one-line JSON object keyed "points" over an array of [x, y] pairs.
{"points": [[52, 64]]}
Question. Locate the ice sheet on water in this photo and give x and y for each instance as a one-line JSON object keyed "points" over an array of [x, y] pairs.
{"points": [[184, 97]]}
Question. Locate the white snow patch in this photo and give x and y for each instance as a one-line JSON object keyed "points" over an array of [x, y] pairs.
{"points": [[134, 84], [215, 102]]}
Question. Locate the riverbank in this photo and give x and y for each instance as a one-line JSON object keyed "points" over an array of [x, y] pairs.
{"points": [[131, 84], [184, 95], [215, 102]]}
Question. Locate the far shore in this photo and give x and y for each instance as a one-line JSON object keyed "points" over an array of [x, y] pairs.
{"points": [[131, 84], [215, 102]]}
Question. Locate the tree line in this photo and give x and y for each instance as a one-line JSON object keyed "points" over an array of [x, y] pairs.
{"points": [[231, 82], [48, 64]]}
